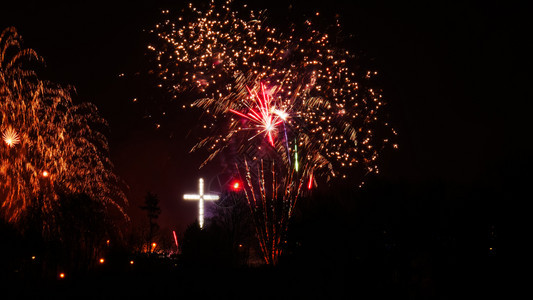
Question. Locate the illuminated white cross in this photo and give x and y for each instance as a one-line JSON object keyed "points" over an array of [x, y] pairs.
{"points": [[201, 198]]}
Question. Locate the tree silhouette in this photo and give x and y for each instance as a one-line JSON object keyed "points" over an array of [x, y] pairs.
{"points": [[151, 206], [85, 229], [226, 239], [232, 218]]}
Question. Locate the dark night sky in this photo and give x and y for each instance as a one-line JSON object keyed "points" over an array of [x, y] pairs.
{"points": [[450, 74]]}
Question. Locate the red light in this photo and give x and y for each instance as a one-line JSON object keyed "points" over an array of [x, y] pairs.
{"points": [[236, 185]]}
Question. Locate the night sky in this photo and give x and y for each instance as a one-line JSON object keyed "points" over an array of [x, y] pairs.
{"points": [[450, 74]]}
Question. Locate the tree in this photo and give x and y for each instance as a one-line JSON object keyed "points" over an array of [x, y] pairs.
{"points": [[151, 206], [232, 218], [85, 229]]}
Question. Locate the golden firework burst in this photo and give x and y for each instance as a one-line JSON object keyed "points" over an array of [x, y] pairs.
{"points": [[11, 137]]}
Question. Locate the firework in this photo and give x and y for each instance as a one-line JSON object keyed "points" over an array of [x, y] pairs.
{"points": [[265, 116], [58, 151], [296, 88], [11, 137], [175, 240], [322, 106], [271, 192]]}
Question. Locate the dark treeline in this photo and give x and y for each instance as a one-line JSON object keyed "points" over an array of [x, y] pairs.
{"points": [[417, 240], [407, 241]]}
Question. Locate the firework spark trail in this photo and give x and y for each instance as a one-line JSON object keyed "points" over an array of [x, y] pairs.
{"points": [[253, 208], [263, 199], [273, 207], [271, 200], [56, 149], [287, 145]]}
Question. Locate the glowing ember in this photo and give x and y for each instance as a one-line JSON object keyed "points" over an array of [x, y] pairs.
{"points": [[236, 185]]}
